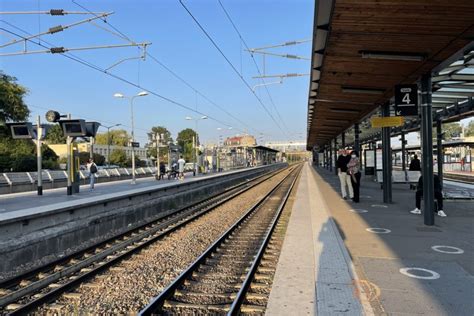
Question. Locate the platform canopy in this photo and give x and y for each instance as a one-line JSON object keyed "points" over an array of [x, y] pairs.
{"points": [[362, 49]]}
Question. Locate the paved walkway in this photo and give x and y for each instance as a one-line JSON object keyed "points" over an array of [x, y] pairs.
{"points": [[315, 273], [402, 267], [23, 200]]}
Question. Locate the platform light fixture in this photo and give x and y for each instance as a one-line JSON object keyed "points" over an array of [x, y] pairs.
{"points": [[402, 56], [362, 90], [343, 110]]}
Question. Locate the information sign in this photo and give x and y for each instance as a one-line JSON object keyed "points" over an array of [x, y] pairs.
{"points": [[389, 121], [406, 100]]}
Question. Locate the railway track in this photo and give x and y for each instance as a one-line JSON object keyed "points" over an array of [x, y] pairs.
{"points": [[232, 275], [26, 292]]}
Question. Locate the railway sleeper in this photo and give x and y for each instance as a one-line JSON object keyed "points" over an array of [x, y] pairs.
{"points": [[252, 309], [179, 308]]}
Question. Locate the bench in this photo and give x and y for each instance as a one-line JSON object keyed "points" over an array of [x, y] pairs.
{"points": [[399, 176]]}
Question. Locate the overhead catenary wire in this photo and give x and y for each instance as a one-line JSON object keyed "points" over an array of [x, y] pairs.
{"points": [[255, 62], [231, 65], [97, 68], [123, 36]]}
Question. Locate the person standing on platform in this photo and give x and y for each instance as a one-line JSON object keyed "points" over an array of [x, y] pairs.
{"points": [[341, 165], [353, 170], [437, 193], [162, 170], [181, 163], [415, 164], [92, 168]]}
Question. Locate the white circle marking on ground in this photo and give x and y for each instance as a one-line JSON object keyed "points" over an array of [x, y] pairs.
{"points": [[434, 275], [358, 210], [455, 250], [366, 196], [376, 230], [379, 205]]}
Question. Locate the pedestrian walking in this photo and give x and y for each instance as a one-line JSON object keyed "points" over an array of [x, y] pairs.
{"points": [[438, 193], [415, 164], [341, 165], [206, 166], [92, 168], [353, 170], [181, 163]]}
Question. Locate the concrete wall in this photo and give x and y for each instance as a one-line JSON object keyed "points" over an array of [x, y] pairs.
{"points": [[35, 236]]}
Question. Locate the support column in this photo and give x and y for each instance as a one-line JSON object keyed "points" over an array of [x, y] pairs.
{"points": [[386, 158], [374, 146], [330, 156], [439, 146], [335, 155], [427, 150], [356, 138], [343, 139], [403, 151]]}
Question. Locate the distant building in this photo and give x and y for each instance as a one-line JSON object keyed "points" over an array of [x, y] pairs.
{"points": [[287, 146], [245, 140], [61, 150]]}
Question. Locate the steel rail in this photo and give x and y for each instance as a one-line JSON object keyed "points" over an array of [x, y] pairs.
{"points": [[156, 304], [235, 307], [164, 223]]}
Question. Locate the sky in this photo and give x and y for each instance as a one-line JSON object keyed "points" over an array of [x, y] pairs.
{"points": [[68, 86]]}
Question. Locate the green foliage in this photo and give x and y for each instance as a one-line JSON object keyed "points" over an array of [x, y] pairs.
{"points": [[452, 130], [55, 135], [12, 106], [185, 141], [469, 130], [84, 158], [23, 163], [48, 153], [118, 137], [164, 141], [50, 164], [118, 157], [16, 147], [161, 130]]}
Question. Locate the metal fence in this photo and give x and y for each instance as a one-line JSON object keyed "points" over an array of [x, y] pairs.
{"points": [[26, 181]]}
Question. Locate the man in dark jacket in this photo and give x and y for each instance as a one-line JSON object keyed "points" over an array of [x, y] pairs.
{"points": [[437, 193], [344, 178], [415, 164]]}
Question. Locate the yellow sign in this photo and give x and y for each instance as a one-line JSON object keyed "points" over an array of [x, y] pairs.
{"points": [[387, 121]]}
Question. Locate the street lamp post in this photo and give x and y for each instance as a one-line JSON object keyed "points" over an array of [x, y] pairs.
{"points": [[195, 140], [108, 141], [140, 94]]}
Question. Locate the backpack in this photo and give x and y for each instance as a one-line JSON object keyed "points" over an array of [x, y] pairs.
{"points": [[93, 168]]}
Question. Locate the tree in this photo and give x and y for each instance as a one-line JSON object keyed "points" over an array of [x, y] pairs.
{"points": [[451, 130], [12, 106], [55, 135], [185, 141], [118, 137], [84, 158], [161, 130], [469, 130], [118, 157]]}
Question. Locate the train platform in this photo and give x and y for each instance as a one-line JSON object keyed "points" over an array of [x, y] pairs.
{"points": [[345, 258], [57, 198]]}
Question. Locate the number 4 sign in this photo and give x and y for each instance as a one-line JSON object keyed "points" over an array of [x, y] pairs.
{"points": [[406, 100]]}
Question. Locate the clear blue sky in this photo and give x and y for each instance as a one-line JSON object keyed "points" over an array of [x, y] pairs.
{"points": [[55, 82]]}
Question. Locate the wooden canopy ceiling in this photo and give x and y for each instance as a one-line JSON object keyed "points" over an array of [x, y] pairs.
{"points": [[362, 48]]}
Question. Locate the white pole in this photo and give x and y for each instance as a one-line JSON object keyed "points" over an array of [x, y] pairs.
{"points": [[133, 140], [39, 132]]}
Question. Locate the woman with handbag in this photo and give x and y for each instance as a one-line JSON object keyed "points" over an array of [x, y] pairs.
{"points": [[353, 170]]}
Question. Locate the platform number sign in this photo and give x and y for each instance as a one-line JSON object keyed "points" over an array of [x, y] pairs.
{"points": [[406, 100]]}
